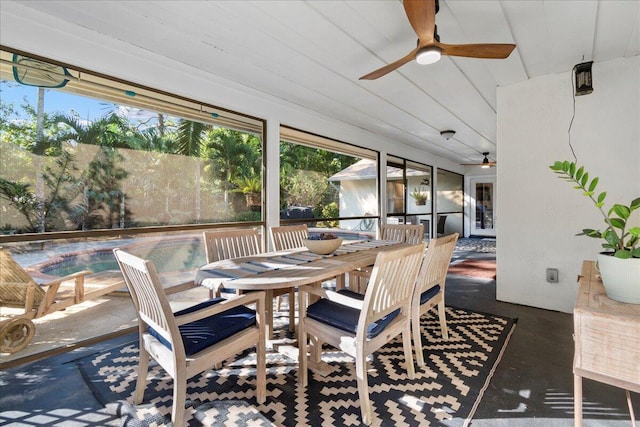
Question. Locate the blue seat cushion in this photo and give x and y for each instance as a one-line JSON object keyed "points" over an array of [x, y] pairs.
{"points": [[203, 333], [429, 293], [346, 318]]}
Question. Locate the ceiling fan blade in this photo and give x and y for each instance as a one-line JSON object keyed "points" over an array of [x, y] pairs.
{"points": [[479, 164], [480, 50], [390, 67], [422, 17]]}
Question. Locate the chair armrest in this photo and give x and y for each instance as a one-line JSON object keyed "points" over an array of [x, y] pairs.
{"points": [[72, 276], [256, 297], [332, 296]]}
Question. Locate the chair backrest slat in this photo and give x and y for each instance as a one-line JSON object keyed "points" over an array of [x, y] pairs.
{"points": [[15, 282], [235, 243], [392, 282], [406, 233], [436, 262], [150, 299], [289, 236]]}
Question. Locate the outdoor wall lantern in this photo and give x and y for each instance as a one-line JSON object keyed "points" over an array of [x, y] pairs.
{"points": [[584, 81]]}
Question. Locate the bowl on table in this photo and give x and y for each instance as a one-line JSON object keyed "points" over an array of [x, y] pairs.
{"points": [[323, 247]]}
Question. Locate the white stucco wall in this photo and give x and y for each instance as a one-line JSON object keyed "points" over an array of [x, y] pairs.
{"points": [[539, 213]]}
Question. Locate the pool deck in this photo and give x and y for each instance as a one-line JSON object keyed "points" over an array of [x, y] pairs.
{"points": [[88, 321]]}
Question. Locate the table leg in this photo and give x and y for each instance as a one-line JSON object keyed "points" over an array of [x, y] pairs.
{"points": [[292, 310], [633, 417], [577, 400], [269, 313]]}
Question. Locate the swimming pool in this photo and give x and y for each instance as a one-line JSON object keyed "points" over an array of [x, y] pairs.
{"points": [[168, 254]]}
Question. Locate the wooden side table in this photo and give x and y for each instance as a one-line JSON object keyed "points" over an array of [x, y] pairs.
{"points": [[607, 340]]}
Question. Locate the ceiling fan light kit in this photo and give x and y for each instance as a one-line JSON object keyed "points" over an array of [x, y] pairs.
{"points": [[428, 55], [485, 164], [447, 134]]}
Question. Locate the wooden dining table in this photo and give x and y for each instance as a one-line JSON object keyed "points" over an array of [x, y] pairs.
{"points": [[272, 271]]}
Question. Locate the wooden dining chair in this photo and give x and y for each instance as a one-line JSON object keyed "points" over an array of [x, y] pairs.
{"points": [[429, 288], [289, 236], [230, 243], [192, 340], [407, 233], [360, 325], [412, 234], [238, 243]]}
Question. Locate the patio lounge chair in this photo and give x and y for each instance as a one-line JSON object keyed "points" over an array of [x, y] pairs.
{"points": [[38, 296]]}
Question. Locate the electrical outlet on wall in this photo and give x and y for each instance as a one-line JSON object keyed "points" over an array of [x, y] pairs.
{"points": [[552, 275]]}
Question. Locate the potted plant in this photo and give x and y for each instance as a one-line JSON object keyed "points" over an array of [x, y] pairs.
{"points": [[619, 264], [420, 196], [251, 187]]}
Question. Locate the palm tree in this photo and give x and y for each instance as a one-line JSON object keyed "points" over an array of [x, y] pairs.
{"points": [[233, 154], [101, 182], [190, 142]]}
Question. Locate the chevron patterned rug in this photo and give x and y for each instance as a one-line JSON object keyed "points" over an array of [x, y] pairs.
{"points": [[446, 392]]}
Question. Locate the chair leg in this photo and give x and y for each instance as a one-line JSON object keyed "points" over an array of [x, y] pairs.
{"points": [[179, 400], [302, 354], [261, 370], [316, 349], [363, 389], [141, 382], [278, 302], [443, 320], [292, 310], [408, 351], [417, 337]]}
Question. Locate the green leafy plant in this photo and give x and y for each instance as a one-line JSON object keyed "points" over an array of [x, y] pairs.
{"points": [[621, 242], [248, 185], [419, 196]]}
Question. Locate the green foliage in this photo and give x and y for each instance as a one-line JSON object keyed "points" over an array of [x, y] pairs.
{"points": [[44, 213], [622, 242], [419, 195], [305, 189], [248, 185], [331, 211]]}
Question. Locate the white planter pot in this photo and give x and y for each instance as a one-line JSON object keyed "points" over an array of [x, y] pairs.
{"points": [[621, 278]]}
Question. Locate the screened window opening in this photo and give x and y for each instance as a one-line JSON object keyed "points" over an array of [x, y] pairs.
{"points": [[329, 185], [409, 190], [83, 153]]}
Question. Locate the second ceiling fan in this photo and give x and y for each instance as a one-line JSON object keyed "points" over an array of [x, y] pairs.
{"points": [[422, 17], [486, 163]]}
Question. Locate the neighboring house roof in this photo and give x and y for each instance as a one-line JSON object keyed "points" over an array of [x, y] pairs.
{"points": [[366, 169]]}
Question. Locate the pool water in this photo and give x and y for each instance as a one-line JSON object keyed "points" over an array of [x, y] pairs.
{"points": [[167, 256]]}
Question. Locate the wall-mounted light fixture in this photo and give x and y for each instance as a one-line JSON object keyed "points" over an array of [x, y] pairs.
{"points": [[584, 78], [447, 134]]}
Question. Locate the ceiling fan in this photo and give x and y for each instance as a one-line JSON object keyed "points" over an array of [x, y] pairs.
{"points": [[486, 163], [422, 17]]}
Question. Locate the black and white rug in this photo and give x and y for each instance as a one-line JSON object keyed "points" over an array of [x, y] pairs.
{"points": [[446, 393]]}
